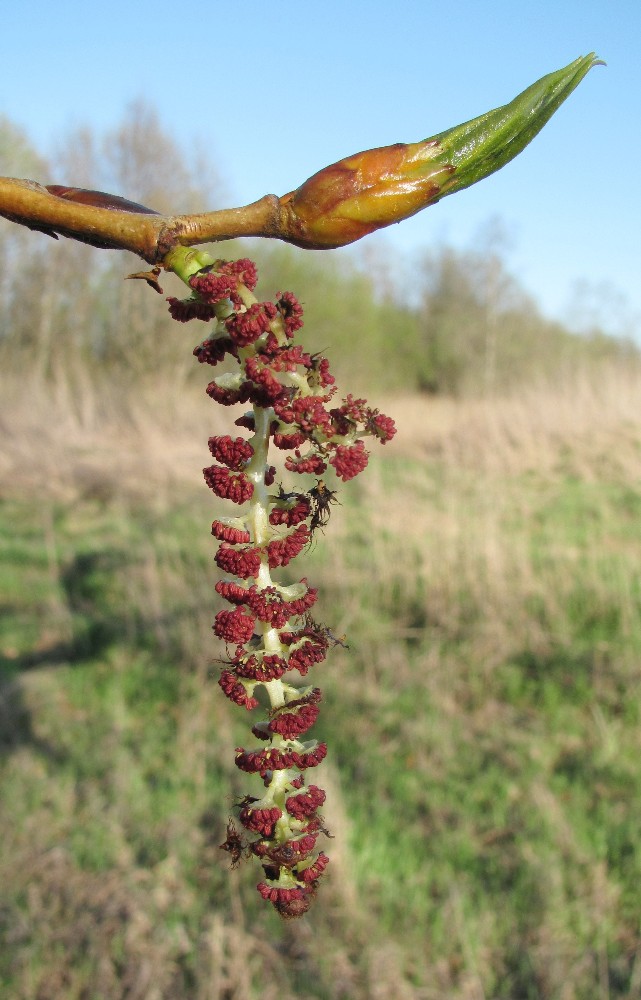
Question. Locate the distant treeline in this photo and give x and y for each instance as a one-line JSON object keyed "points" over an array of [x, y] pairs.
{"points": [[464, 327]]}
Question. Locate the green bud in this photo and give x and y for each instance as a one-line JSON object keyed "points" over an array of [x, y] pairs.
{"points": [[485, 144], [367, 191]]}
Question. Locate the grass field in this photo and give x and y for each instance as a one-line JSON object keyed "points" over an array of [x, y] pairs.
{"points": [[483, 776]]}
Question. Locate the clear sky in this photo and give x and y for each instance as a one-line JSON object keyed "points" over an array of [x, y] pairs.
{"points": [[276, 89]]}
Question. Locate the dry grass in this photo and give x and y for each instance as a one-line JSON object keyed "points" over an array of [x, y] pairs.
{"points": [[76, 433], [593, 416]]}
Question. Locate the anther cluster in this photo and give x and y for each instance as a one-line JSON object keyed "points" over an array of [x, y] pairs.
{"points": [[271, 637]]}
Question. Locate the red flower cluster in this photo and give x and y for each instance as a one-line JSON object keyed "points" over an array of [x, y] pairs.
{"points": [[281, 551], [244, 562], [269, 626], [234, 626], [274, 759], [234, 453], [305, 803], [236, 488], [227, 533], [260, 821], [246, 327]]}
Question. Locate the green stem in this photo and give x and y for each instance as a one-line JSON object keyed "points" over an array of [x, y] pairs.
{"points": [[185, 261]]}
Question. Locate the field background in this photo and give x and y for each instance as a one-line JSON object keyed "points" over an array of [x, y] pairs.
{"points": [[483, 772]]}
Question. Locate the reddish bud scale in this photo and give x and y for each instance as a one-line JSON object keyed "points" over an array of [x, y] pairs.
{"points": [[260, 731], [247, 421], [98, 199]]}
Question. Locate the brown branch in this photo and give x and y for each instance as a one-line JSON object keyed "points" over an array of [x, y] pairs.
{"points": [[103, 220]]}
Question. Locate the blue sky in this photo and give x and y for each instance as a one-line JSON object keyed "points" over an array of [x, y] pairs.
{"points": [[275, 90]]}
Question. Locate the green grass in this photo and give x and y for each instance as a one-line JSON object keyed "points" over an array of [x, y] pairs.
{"points": [[484, 743]]}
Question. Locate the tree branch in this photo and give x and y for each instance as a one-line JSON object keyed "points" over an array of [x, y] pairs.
{"points": [[108, 221], [336, 206]]}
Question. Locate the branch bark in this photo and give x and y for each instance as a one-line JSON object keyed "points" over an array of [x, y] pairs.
{"points": [[107, 221]]}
